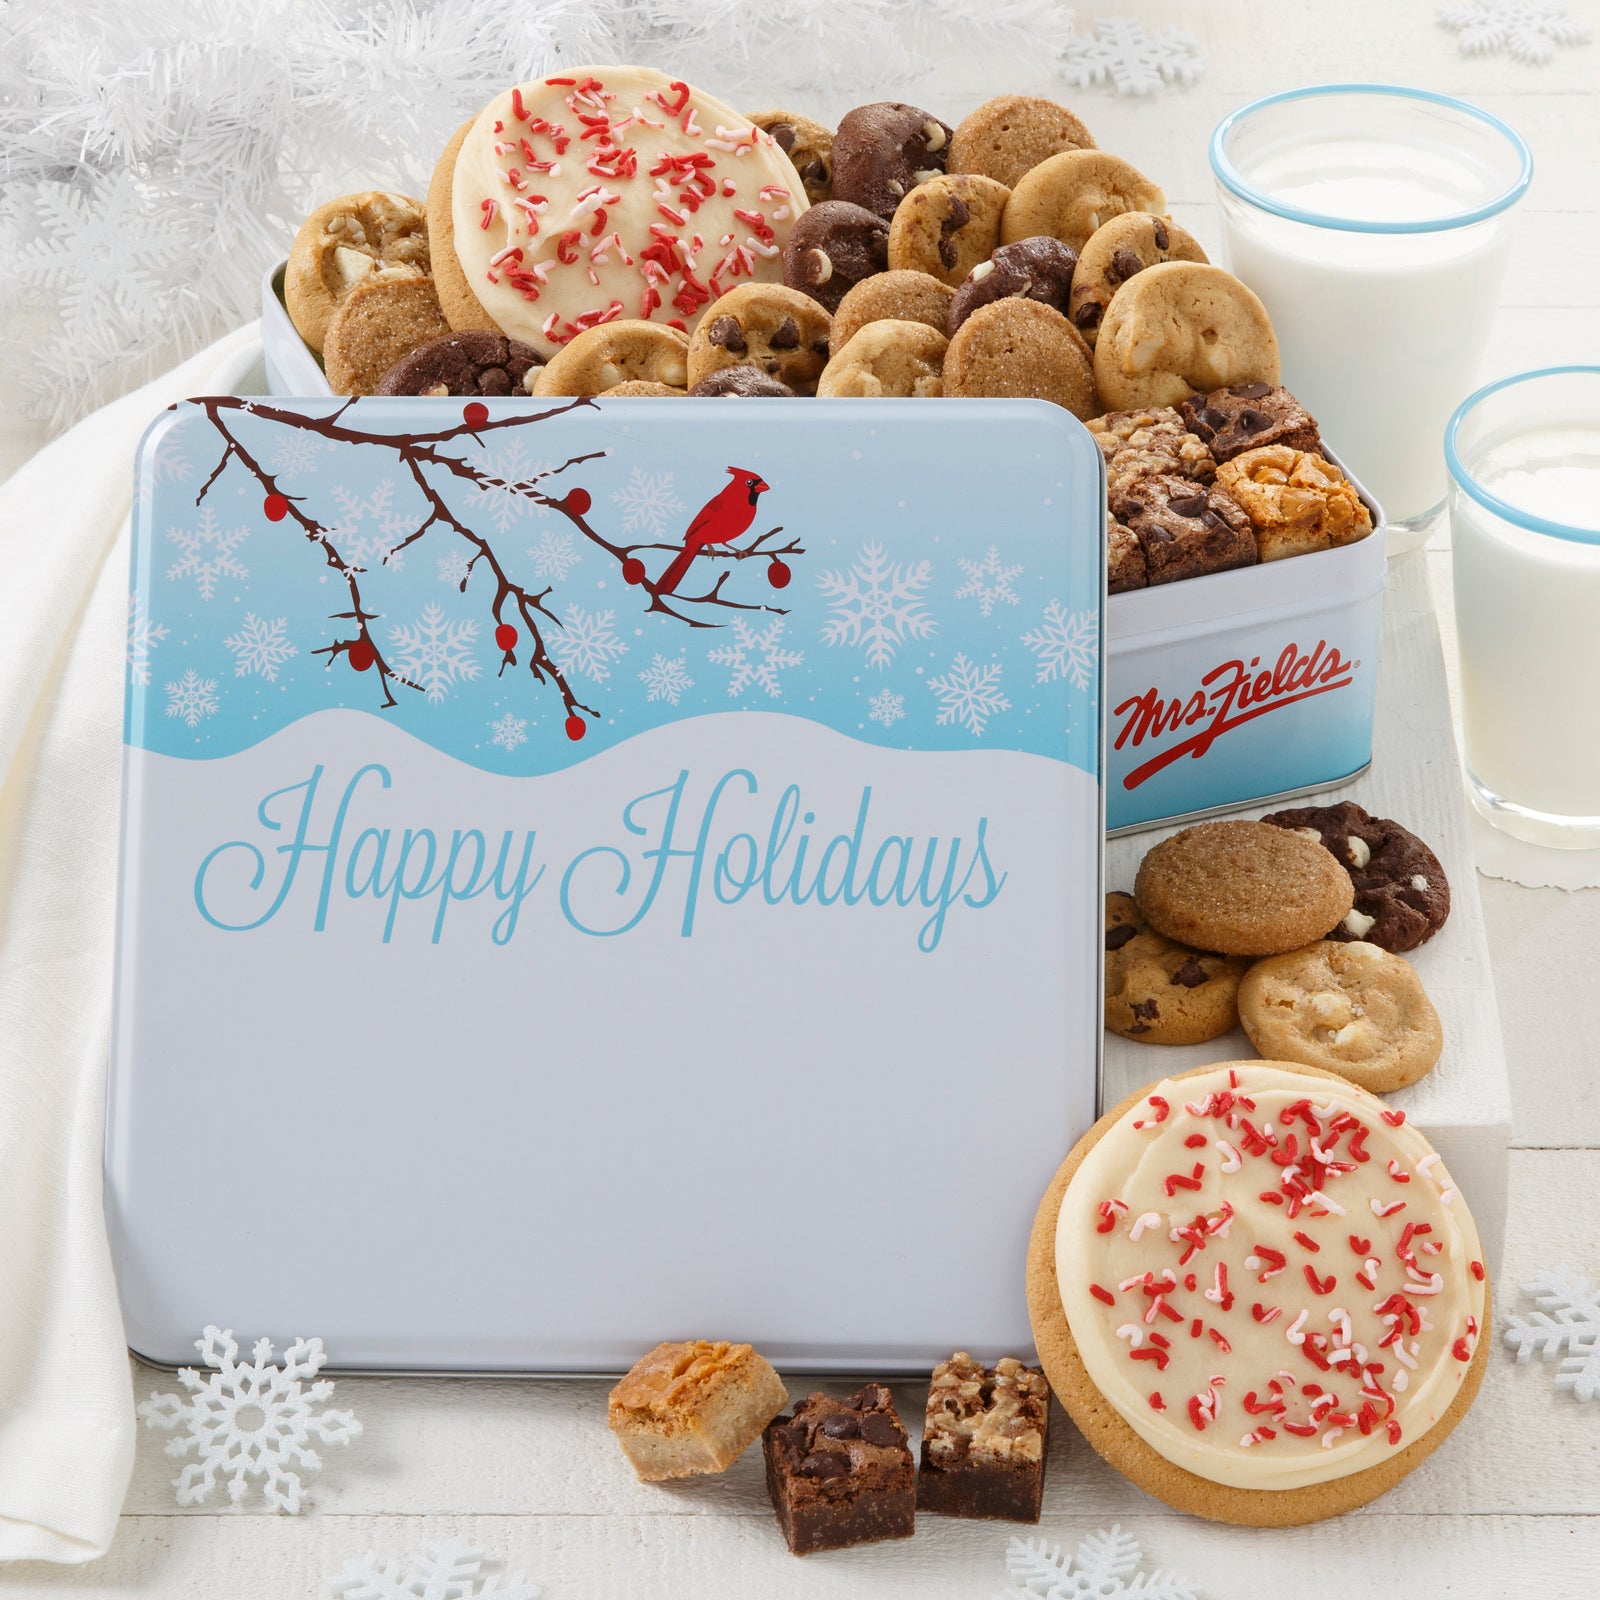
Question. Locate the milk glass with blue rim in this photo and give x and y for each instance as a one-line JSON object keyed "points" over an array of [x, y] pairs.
{"points": [[1524, 461], [1374, 223]]}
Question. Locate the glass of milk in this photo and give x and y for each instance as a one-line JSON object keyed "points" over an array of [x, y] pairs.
{"points": [[1373, 222], [1524, 463]]}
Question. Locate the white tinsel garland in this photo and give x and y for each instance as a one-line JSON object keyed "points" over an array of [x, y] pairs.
{"points": [[156, 157]]}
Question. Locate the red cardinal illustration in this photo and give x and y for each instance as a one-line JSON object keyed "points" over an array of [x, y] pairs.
{"points": [[720, 520]]}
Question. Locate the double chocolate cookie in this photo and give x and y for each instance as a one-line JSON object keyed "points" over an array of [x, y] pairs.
{"points": [[471, 362], [832, 248], [1038, 268], [883, 151]]}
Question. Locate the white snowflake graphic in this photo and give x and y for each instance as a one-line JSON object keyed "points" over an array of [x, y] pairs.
{"points": [[666, 678], [207, 553], [171, 463], [989, 583], [369, 527], [1567, 1325], [1131, 58], [435, 652], [143, 637], [647, 503], [447, 1571], [506, 464], [1525, 30], [969, 694], [509, 731], [1098, 1570], [453, 568], [295, 451], [877, 604], [756, 657], [260, 646], [886, 707], [587, 643], [192, 698], [253, 1421], [1066, 645], [554, 556]]}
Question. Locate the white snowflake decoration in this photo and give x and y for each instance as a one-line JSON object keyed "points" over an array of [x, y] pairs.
{"points": [[369, 528], [296, 451], [143, 637], [877, 604], [1100, 1569], [1525, 30], [1065, 645], [1567, 1325], [587, 643], [509, 731], [507, 465], [756, 658], [554, 556], [207, 553], [666, 678], [435, 653], [648, 504], [447, 1571], [260, 646], [887, 707], [969, 694], [1130, 57], [989, 583], [192, 698], [453, 568], [247, 1422]]}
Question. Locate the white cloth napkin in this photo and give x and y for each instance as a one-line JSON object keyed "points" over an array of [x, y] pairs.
{"points": [[66, 1407]]}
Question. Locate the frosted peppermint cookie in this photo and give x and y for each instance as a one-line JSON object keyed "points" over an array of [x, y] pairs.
{"points": [[1258, 1293], [607, 193]]}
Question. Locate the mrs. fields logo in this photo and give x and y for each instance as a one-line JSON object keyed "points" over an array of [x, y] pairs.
{"points": [[1228, 696]]}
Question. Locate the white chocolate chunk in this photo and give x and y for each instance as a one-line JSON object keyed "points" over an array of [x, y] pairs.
{"points": [[933, 136], [981, 271], [1356, 849], [1359, 923], [1419, 883], [353, 265]]}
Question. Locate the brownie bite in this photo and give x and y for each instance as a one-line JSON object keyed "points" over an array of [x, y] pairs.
{"points": [[1125, 568], [1249, 415], [983, 1440], [840, 1472], [1138, 443], [1297, 503], [1185, 529]]}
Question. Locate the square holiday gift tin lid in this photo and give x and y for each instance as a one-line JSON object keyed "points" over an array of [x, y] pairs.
{"points": [[603, 874]]}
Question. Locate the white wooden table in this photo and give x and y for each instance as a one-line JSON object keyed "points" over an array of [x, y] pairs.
{"points": [[1511, 1504]]}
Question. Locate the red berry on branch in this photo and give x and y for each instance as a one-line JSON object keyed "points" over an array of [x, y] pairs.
{"points": [[506, 636], [578, 501], [633, 570], [276, 507], [576, 728], [778, 575], [476, 414], [362, 655]]}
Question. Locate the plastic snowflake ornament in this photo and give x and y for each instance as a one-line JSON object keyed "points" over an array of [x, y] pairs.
{"points": [[247, 1422], [1129, 57], [1567, 1324], [1525, 30], [1104, 1567], [446, 1571]]}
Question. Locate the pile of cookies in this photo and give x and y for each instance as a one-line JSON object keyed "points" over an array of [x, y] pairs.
{"points": [[840, 1472], [1293, 927]]}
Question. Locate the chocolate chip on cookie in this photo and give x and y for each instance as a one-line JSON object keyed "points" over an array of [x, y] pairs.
{"points": [[1038, 269], [1185, 529], [745, 381], [832, 248], [890, 296], [379, 321], [1297, 503], [1162, 992], [808, 145], [1117, 250], [1011, 134], [1139, 444], [1073, 194], [1402, 896], [1248, 416], [782, 331], [888, 360], [947, 225], [1021, 349], [883, 151], [617, 352], [473, 362]]}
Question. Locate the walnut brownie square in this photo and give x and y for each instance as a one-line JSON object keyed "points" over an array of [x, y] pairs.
{"points": [[1185, 529], [840, 1472], [1138, 443], [1297, 503], [693, 1406], [983, 1440], [1234, 420], [1125, 567]]}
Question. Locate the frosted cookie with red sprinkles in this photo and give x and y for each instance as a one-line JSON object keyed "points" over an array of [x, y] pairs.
{"points": [[609, 193], [1258, 1293]]}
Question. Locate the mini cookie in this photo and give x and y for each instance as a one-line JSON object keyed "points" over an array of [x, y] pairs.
{"points": [[765, 325], [1241, 887], [890, 296], [886, 360], [883, 151], [1159, 992], [746, 382], [474, 362], [1402, 896], [1125, 563], [1348, 1008], [1136, 444], [1011, 134], [1178, 327], [1296, 503], [461, 306], [617, 352], [832, 248], [377, 323], [641, 389], [809, 147], [947, 225], [1037, 269], [1249, 415], [359, 238], [1073, 194], [1019, 348], [1186, 529], [1114, 252]]}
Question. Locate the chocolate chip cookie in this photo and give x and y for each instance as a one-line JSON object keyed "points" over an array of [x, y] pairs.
{"points": [[888, 360], [1402, 896], [379, 321], [641, 389], [1348, 1008], [1011, 134], [947, 225], [1073, 194], [1185, 529], [1139, 444], [1039, 269], [1019, 348], [832, 248], [1161, 992], [1248, 416], [749, 383], [1296, 503], [1113, 253], [883, 151], [471, 362], [617, 352], [808, 145], [897, 296], [780, 330]]}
